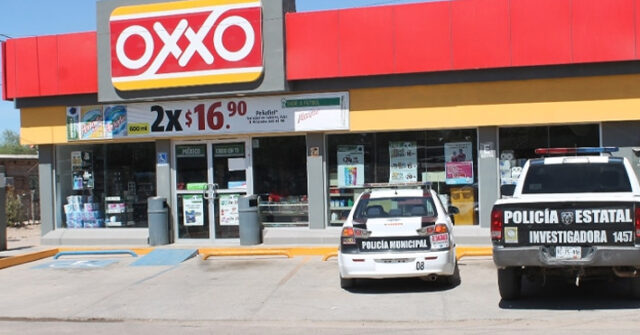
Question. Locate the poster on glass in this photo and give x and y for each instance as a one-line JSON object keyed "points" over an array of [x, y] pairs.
{"points": [[229, 210], [403, 162], [350, 165], [458, 163], [193, 210]]}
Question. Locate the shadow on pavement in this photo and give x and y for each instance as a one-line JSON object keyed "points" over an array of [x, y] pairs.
{"points": [[561, 295], [399, 285]]}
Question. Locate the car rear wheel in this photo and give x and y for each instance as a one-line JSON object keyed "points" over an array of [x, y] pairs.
{"points": [[509, 283], [454, 279], [347, 282]]}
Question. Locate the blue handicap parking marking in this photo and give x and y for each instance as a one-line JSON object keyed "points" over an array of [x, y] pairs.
{"points": [[76, 264]]}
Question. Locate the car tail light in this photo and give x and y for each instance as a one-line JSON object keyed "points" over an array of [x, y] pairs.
{"points": [[348, 237], [350, 234], [637, 221], [439, 228], [496, 224]]}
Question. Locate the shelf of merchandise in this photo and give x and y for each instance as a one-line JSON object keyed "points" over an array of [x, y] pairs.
{"points": [[338, 213]]}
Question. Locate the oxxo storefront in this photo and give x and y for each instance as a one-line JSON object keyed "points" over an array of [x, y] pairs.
{"points": [[202, 102]]}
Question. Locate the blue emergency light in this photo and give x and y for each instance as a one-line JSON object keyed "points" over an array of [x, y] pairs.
{"points": [[580, 150]]}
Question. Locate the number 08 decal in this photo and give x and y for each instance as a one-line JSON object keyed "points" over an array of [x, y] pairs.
{"points": [[186, 43]]}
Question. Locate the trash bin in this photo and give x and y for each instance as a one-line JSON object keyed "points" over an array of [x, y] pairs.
{"points": [[158, 217], [250, 227]]}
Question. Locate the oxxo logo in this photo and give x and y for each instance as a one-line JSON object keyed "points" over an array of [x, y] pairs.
{"points": [[186, 43]]}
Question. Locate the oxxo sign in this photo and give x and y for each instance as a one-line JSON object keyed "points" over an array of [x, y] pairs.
{"points": [[186, 43]]}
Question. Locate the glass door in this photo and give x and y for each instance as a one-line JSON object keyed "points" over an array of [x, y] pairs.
{"points": [[209, 179], [229, 160], [193, 190]]}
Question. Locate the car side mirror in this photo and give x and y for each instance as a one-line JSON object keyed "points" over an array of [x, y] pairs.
{"points": [[507, 190], [453, 210]]}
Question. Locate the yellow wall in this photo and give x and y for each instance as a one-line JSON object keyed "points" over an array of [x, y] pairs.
{"points": [[43, 125], [503, 103]]}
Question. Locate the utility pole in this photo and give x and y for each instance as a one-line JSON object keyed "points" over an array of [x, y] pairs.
{"points": [[3, 214]]}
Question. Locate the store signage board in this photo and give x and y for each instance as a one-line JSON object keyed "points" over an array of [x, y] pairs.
{"points": [[186, 43], [240, 115]]}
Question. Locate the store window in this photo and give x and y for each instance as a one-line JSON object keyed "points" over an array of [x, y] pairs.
{"points": [[446, 158], [518, 144], [105, 185], [280, 178]]}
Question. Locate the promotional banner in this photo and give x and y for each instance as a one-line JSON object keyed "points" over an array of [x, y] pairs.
{"points": [[240, 115], [91, 123], [458, 163], [403, 162], [193, 210], [350, 165], [229, 210]]}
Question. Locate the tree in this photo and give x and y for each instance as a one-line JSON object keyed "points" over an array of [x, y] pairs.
{"points": [[11, 144]]}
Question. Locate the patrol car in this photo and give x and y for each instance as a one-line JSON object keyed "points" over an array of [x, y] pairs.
{"points": [[576, 216], [396, 231]]}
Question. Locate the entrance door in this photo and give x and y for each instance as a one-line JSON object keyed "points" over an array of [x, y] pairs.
{"points": [[209, 179]]}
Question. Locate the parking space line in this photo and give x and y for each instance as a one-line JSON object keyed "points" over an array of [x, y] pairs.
{"points": [[294, 271]]}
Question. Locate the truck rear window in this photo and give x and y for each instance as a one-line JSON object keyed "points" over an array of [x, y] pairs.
{"points": [[576, 178]]}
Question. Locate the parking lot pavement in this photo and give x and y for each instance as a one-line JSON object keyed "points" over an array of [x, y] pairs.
{"points": [[274, 290]]}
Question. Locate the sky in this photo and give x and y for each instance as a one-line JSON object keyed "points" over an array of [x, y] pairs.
{"points": [[23, 18]]}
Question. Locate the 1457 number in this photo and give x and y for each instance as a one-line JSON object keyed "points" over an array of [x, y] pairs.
{"points": [[622, 236]]}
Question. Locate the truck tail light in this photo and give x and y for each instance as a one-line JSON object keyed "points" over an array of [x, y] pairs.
{"points": [[637, 221], [496, 224]]}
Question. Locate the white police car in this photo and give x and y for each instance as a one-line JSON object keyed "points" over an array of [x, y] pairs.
{"points": [[394, 232]]}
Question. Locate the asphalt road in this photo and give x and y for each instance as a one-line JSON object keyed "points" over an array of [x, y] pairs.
{"points": [[276, 295]]}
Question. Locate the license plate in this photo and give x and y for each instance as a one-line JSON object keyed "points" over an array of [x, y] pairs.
{"points": [[568, 252]]}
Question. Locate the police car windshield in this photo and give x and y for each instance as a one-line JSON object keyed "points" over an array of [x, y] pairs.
{"points": [[395, 207], [562, 178]]}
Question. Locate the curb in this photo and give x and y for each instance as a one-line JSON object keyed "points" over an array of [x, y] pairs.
{"points": [[325, 252]]}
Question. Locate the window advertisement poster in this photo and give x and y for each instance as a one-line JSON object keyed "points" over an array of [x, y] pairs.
{"points": [[350, 165], [73, 123], [193, 210], [229, 210], [238, 115], [115, 122], [458, 163], [91, 123], [403, 162]]}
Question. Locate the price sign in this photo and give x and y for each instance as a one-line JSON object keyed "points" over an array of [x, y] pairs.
{"points": [[327, 111]]}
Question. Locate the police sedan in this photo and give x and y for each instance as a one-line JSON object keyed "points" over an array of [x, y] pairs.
{"points": [[395, 232]]}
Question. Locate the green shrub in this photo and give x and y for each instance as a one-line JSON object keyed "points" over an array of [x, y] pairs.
{"points": [[15, 211]]}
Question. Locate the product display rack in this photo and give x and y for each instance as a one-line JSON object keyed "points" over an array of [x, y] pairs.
{"points": [[341, 201], [119, 211]]}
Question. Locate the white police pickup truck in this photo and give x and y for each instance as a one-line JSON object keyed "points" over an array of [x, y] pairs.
{"points": [[577, 217], [396, 231]]}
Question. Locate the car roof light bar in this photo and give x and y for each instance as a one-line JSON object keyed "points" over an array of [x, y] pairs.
{"points": [[425, 185], [579, 150]]}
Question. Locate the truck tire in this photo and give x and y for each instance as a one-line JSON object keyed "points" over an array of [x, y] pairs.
{"points": [[509, 283], [635, 287], [346, 283]]}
